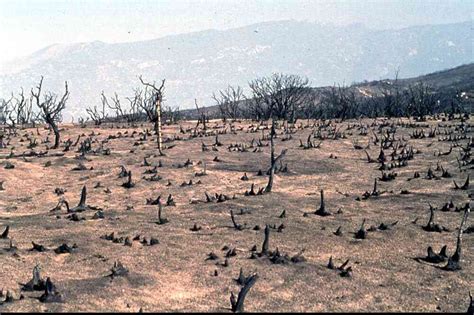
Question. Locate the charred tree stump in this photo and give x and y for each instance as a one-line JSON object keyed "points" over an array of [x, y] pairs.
{"points": [[36, 283], [454, 262], [5, 232], [238, 305], [38, 247], [273, 160], [361, 233], [384, 227], [151, 201], [196, 228], [431, 226], [170, 201], [241, 279], [322, 208], [266, 241], [381, 158], [369, 159], [118, 270], [129, 184], [470, 310], [238, 227], [251, 192], [208, 198], [65, 249], [432, 257], [212, 256], [50, 295], [342, 270], [160, 219], [331, 264], [375, 192], [216, 142], [346, 272], [463, 187], [123, 172], [82, 206], [128, 242]]}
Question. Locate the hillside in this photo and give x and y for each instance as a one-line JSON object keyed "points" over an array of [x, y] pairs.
{"points": [[196, 64]]}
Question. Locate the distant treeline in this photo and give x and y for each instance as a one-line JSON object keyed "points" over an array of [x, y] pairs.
{"points": [[289, 97], [281, 96]]}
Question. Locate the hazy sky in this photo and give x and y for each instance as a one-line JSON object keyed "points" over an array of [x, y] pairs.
{"points": [[29, 25]]}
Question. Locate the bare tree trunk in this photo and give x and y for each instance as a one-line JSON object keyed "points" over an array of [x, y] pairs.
{"points": [[273, 160], [56, 134], [159, 96], [238, 305], [158, 125]]}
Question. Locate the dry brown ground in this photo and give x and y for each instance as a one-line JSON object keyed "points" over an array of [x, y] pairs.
{"points": [[174, 275]]}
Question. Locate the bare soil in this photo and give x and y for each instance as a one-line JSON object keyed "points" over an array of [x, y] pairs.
{"points": [[174, 275]]}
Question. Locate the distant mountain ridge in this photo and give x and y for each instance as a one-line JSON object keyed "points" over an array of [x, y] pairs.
{"points": [[197, 64]]}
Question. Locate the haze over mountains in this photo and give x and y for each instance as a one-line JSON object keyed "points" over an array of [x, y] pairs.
{"points": [[197, 64]]}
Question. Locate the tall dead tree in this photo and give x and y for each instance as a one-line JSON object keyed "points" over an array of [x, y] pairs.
{"points": [[281, 95], [171, 115], [157, 96], [392, 99], [15, 113], [339, 102], [229, 101], [51, 108], [116, 106], [421, 100], [97, 115], [23, 109], [134, 112], [202, 117], [273, 160], [5, 110]]}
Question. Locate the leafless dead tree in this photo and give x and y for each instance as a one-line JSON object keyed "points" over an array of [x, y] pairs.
{"points": [[5, 108], [155, 98], [280, 95], [203, 118], [229, 101], [421, 100], [134, 112], [97, 115], [171, 115], [51, 108], [392, 99], [339, 102], [273, 160], [23, 109]]}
